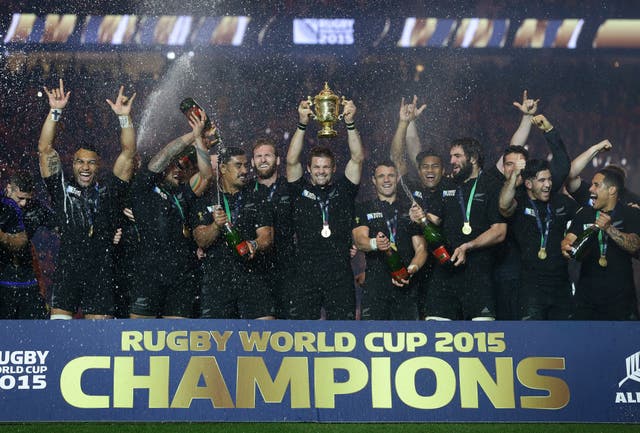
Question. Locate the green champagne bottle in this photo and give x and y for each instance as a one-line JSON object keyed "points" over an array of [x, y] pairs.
{"points": [[436, 242], [189, 106], [235, 241], [398, 269], [581, 246]]}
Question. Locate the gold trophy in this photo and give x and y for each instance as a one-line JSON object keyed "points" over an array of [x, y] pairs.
{"points": [[326, 110]]}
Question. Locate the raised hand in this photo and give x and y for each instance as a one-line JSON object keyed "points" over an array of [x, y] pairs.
{"points": [[197, 123], [409, 112], [57, 97], [528, 106], [349, 111], [542, 123], [604, 146], [122, 106], [519, 166], [304, 111]]}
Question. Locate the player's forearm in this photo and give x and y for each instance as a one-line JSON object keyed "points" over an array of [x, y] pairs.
{"points": [[162, 159], [520, 136], [630, 242], [494, 235], [206, 235], [506, 202]]}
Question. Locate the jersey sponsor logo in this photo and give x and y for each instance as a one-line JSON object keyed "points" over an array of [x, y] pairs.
{"points": [[374, 215], [308, 194], [417, 194], [160, 193], [632, 364], [449, 193], [73, 190]]}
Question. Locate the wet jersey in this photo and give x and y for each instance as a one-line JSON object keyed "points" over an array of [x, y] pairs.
{"points": [[34, 215], [316, 209], [392, 219], [162, 219], [615, 280], [482, 212], [85, 216], [283, 243], [549, 228], [11, 223], [249, 210]]}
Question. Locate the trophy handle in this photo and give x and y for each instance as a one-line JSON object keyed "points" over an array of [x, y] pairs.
{"points": [[312, 115]]}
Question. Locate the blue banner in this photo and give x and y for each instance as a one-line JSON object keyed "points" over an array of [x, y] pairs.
{"points": [[320, 371]]}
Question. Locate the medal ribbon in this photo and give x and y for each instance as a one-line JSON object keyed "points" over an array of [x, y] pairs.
{"points": [[324, 208], [603, 237], [91, 206], [272, 190], [467, 213], [544, 234], [232, 216], [175, 201], [392, 225]]}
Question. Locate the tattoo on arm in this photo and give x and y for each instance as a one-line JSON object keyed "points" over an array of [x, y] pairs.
{"points": [[629, 242], [53, 162], [202, 153], [162, 158]]}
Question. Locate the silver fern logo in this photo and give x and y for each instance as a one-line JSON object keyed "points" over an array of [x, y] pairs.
{"points": [[633, 369]]}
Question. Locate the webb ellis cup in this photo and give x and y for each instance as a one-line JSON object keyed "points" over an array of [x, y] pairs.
{"points": [[326, 110]]}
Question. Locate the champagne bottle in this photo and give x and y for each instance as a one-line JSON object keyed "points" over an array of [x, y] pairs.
{"points": [[398, 269], [189, 106], [580, 246], [235, 241], [436, 242]]}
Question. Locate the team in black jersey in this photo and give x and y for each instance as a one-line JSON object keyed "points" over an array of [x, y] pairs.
{"points": [[199, 236]]}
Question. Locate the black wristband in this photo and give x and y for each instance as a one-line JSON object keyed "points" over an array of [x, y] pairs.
{"points": [[302, 126], [350, 126]]}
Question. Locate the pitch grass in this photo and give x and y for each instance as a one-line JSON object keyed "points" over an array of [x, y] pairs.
{"points": [[314, 428]]}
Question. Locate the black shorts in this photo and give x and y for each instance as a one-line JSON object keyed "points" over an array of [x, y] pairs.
{"points": [[227, 293], [462, 294], [158, 295], [545, 300], [83, 284], [622, 307], [319, 286], [382, 300]]}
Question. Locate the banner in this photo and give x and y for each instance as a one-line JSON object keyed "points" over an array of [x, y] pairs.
{"points": [[319, 371]]}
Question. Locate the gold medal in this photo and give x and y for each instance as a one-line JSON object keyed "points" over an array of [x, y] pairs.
{"points": [[91, 230], [602, 261], [542, 253], [185, 231], [466, 228]]}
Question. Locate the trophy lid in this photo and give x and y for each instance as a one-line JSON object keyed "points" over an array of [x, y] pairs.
{"points": [[326, 93]]}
